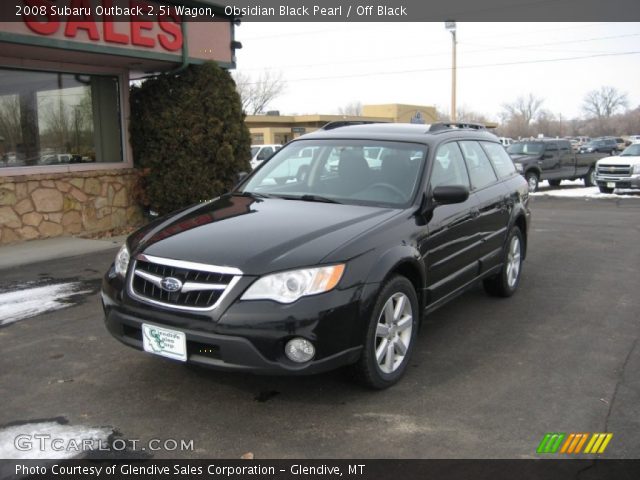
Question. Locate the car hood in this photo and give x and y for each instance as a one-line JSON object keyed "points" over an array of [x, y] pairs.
{"points": [[257, 235], [618, 160]]}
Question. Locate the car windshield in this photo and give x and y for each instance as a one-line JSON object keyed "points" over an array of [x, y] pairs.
{"points": [[631, 151], [254, 150], [526, 148], [357, 172]]}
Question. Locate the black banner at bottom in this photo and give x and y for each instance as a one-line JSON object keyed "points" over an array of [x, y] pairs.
{"points": [[582, 469]]}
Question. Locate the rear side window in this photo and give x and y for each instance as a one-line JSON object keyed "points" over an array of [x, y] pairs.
{"points": [[500, 159], [448, 167], [480, 169]]}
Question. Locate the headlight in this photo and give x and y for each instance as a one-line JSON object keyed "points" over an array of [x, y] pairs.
{"points": [[122, 261], [519, 167], [287, 287], [636, 168]]}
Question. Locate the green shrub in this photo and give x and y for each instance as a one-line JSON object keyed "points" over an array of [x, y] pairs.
{"points": [[188, 136]]}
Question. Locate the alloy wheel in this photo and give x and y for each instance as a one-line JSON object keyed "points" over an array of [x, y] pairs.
{"points": [[513, 261], [393, 332]]}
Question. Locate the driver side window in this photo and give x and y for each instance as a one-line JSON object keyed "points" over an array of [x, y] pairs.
{"points": [[448, 167]]}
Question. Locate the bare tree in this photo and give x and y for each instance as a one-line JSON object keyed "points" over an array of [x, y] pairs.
{"points": [[518, 115], [10, 128], [352, 108], [258, 92], [604, 102]]}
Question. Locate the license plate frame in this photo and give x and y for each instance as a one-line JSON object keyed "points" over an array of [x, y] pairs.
{"points": [[165, 342]]}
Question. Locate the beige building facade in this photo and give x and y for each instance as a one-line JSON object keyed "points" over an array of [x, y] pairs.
{"points": [[280, 129]]}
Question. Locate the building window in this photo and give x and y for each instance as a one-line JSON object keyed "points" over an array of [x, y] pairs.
{"points": [[49, 118], [257, 139]]}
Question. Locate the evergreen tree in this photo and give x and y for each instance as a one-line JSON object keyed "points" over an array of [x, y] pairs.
{"points": [[188, 135]]}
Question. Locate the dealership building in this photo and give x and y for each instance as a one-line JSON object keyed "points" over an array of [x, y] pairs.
{"points": [[66, 166]]}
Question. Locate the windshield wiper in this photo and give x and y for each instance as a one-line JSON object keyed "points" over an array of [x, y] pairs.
{"points": [[249, 194], [310, 198]]}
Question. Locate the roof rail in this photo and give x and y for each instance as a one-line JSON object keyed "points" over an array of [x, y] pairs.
{"points": [[436, 127], [346, 123]]}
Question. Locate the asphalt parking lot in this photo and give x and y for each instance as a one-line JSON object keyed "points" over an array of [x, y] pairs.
{"points": [[488, 378]]}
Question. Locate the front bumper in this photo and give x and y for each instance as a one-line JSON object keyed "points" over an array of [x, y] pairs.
{"points": [[250, 335], [632, 181]]}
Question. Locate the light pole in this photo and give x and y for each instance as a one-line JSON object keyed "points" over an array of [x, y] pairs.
{"points": [[451, 27]]}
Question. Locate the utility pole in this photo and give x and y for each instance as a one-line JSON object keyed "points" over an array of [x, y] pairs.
{"points": [[451, 27]]}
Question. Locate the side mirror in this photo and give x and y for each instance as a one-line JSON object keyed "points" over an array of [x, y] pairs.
{"points": [[450, 194]]}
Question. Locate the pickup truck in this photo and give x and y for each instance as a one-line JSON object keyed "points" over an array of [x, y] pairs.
{"points": [[552, 160], [622, 171]]}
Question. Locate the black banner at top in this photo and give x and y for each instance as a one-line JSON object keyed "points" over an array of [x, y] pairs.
{"points": [[325, 10]]}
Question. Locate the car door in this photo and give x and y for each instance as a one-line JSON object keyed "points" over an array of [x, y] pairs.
{"points": [[492, 201], [550, 164], [448, 248], [567, 160]]}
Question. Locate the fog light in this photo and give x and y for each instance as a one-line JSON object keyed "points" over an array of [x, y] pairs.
{"points": [[299, 350]]}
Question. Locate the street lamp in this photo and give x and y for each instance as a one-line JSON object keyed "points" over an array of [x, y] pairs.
{"points": [[451, 27]]}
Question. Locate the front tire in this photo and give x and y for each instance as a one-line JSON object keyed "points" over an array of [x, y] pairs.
{"points": [[390, 335], [505, 283], [533, 181], [590, 178]]}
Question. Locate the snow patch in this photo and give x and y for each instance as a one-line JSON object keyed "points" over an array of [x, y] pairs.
{"points": [[24, 303], [51, 440], [576, 188]]}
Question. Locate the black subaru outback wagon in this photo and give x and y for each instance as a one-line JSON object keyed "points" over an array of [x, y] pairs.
{"points": [[329, 254]]}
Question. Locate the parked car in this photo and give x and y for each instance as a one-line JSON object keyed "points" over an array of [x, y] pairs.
{"points": [[336, 268], [552, 160], [621, 171], [600, 145], [505, 141], [620, 143], [583, 140], [260, 153], [633, 139]]}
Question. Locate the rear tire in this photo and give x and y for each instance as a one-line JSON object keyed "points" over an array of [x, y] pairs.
{"points": [[554, 183], [390, 335], [605, 189], [505, 283]]}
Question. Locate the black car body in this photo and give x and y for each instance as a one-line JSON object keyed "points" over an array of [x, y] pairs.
{"points": [[388, 241], [600, 145], [552, 159]]}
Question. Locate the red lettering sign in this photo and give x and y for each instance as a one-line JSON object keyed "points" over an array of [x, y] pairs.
{"points": [[164, 30]]}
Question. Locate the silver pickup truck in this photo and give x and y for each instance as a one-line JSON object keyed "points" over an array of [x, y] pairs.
{"points": [[622, 171]]}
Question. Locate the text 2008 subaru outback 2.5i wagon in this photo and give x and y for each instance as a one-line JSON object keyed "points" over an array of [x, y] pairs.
{"points": [[311, 265]]}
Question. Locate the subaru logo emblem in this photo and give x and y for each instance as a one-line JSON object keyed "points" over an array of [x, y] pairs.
{"points": [[171, 284]]}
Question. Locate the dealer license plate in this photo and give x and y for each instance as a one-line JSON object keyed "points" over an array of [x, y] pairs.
{"points": [[165, 342], [611, 184]]}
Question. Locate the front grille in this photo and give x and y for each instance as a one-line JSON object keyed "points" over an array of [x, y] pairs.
{"points": [[614, 170], [203, 286]]}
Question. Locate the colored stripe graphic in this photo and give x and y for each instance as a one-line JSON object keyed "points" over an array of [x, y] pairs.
{"points": [[572, 443], [598, 443], [550, 443]]}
